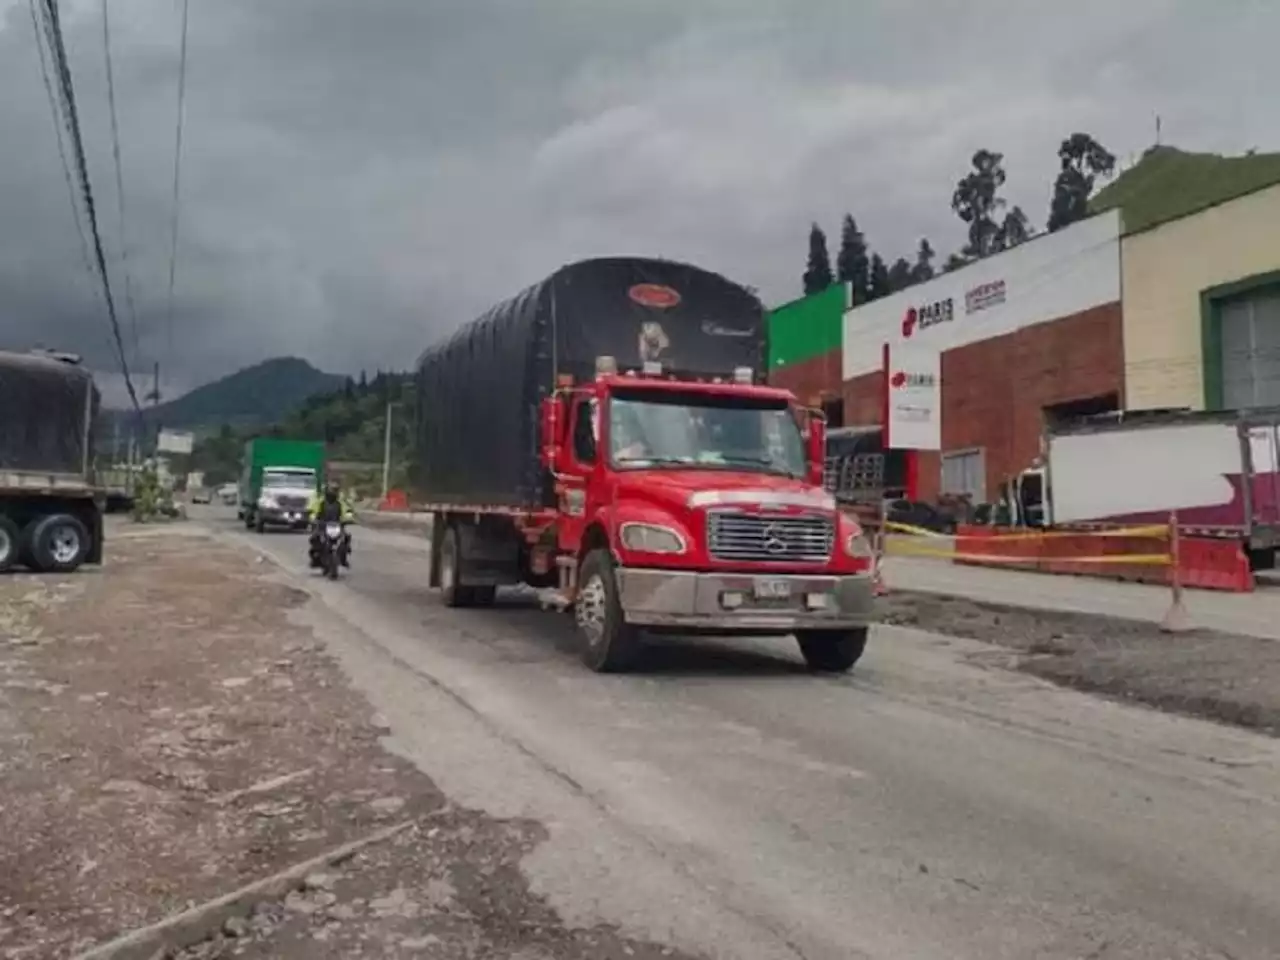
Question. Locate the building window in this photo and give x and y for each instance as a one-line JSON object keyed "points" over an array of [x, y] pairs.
{"points": [[1250, 332], [833, 410], [964, 474]]}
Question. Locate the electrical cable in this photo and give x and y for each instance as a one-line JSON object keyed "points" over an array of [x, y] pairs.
{"points": [[56, 113], [66, 88], [177, 175], [120, 201]]}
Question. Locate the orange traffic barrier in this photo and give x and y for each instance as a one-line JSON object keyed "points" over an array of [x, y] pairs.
{"points": [[394, 500]]}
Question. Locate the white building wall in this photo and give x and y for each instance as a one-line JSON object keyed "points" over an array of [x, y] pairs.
{"points": [[1052, 276]]}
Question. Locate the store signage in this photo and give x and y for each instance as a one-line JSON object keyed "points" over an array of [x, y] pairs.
{"points": [[984, 295], [928, 315], [913, 401]]}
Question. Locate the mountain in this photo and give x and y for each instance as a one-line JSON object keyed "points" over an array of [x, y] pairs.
{"points": [[255, 396]]}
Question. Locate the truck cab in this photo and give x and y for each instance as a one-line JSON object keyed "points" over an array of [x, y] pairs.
{"points": [[698, 506]]}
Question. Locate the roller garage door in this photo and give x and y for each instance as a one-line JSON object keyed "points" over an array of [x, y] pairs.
{"points": [[964, 473], [1250, 326]]}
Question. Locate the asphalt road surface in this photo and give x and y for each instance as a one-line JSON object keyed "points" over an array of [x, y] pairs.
{"points": [[930, 805]]}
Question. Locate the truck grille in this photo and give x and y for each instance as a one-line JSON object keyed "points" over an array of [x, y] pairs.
{"points": [[792, 539], [292, 503]]}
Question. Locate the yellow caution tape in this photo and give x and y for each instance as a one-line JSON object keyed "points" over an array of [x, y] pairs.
{"points": [[913, 550], [1152, 530]]}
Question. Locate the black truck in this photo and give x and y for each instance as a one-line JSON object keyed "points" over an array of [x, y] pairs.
{"points": [[50, 508]]}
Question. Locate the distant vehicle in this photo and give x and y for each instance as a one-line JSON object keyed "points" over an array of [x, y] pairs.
{"points": [[278, 480], [50, 506], [1218, 470], [201, 496]]}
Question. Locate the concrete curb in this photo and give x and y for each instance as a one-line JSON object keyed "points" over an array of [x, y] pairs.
{"points": [[200, 922]]}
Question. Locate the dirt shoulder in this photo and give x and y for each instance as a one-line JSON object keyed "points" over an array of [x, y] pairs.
{"points": [[170, 731], [1219, 676]]}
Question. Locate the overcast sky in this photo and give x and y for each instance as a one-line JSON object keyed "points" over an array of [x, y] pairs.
{"points": [[361, 176]]}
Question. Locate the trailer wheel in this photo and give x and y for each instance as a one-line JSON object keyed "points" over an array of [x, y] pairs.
{"points": [[451, 588], [57, 543], [10, 544], [610, 644], [832, 651]]}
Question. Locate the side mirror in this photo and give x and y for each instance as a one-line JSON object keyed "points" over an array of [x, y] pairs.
{"points": [[549, 431], [817, 448]]}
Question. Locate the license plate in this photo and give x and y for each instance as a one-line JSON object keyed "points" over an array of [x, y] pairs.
{"points": [[772, 589]]}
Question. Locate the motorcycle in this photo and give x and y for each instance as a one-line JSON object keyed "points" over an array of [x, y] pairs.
{"points": [[333, 548]]}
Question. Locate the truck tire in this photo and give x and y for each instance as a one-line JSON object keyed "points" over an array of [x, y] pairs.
{"points": [[57, 543], [10, 544], [260, 524], [452, 591], [832, 651], [609, 643]]}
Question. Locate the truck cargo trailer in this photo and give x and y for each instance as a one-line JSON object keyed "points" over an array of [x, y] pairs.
{"points": [[1219, 471], [604, 437], [50, 507]]}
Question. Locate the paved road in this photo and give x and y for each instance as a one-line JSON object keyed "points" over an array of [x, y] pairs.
{"points": [[929, 806]]}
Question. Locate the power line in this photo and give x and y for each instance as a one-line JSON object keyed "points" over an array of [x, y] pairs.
{"points": [[177, 174], [115, 154], [56, 113], [58, 55]]}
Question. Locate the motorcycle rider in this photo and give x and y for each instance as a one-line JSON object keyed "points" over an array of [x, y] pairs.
{"points": [[330, 507]]}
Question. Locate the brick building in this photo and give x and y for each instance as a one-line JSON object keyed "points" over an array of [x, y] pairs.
{"points": [[1031, 333]]}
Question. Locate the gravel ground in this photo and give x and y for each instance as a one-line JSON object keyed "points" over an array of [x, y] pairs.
{"points": [[169, 733], [1224, 677]]}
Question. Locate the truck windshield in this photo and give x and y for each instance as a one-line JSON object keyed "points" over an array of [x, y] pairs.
{"points": [[649, 429], [288, 478]]}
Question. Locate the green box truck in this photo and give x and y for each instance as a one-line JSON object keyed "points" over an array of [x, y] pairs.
{"points": [[277, 480]]}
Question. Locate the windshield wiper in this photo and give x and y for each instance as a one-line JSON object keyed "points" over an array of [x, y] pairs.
{"points": [[774, 466]]}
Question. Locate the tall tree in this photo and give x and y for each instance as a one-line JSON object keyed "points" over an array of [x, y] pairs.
{"points": [[954, 262], [922, 270], [1082, 161], [901, 275], [977, 202], [817, 274], [852, 265], [878, 285]]}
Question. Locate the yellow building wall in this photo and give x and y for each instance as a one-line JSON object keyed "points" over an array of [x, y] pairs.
{"points": [[1164, 270]]}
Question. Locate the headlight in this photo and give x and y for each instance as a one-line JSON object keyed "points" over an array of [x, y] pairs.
{"points": [[651, 538], [856, 543]]}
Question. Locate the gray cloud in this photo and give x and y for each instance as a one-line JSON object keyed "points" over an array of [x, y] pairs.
{"points": [[361, 177]]}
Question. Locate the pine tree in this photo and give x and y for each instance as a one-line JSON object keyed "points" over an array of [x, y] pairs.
{"points": [[852, 264], [817, 275], [879, 281], [923, 268]]}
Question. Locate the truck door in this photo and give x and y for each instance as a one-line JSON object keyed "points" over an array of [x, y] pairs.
{"points": [[1261, 474], [581, 459]]}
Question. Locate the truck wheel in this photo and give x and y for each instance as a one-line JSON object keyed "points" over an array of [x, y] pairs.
{"points": [[260, 525], [832, 651], [451, 588], [248, 520], [610, 644], [57, 543], [10, 544]]}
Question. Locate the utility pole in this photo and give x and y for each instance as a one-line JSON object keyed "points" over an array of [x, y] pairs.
{"points": [[386, 454]]}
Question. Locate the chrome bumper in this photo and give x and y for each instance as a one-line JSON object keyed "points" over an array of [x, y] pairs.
{"points": [[730, 601], [277, 515]]}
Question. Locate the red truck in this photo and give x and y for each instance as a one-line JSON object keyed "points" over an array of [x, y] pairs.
{"points": [[605, 437]]}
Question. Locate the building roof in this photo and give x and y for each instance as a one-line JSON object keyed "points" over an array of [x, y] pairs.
{"points": [[1168, 183]]}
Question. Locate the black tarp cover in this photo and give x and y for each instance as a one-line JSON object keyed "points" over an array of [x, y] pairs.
{"points": [[479, 391], [44, 403]]}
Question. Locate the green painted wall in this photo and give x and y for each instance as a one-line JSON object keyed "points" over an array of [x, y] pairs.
{"points": [[807, 327]]}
